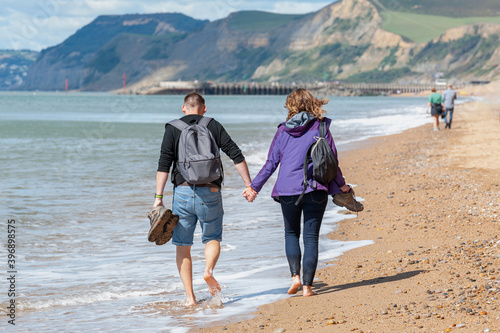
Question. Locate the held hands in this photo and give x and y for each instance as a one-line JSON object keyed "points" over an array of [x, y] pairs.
{"points": [[249, 193]]}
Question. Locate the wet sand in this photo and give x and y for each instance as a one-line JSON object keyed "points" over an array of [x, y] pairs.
{"points": [[432, 208]]}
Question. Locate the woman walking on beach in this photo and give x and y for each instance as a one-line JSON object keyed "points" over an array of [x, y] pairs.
{"points": [[288, 148], [437, 107]]}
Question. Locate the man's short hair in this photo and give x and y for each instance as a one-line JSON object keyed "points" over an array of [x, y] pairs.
{"points": [[193, 100]]}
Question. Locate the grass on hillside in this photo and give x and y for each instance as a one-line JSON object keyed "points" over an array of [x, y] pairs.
{"points": [[452, 8], [423, 28], [259, 21], [379, 76]]}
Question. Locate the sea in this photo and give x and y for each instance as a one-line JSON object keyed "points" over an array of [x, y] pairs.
{"points": [[78, 178]]}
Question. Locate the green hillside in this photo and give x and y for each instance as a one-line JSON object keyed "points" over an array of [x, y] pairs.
{"points": [[259, 21], [103, 29], [421, 28], [453, 8]]}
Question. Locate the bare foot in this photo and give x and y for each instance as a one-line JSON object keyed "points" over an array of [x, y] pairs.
{"points": [[190, 302], [308, 291], [213, 285], [295, 285]]}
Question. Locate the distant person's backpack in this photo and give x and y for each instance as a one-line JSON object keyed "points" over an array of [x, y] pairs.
{"points": [[198, 154], [325, 164]]}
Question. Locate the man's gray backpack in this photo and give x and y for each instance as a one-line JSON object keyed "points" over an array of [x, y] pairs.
{"points": [[198, 154]]}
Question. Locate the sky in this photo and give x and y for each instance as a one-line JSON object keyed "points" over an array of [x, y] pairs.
{"points": [[38, 24]]}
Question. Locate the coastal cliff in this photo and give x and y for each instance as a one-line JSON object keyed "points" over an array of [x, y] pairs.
{"points": [[347, 40]]}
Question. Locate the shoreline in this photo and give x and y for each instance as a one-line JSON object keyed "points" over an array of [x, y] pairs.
{"points": [[431, 208]]}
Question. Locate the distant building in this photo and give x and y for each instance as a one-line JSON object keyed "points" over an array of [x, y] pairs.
{"points": [[179, 84]]}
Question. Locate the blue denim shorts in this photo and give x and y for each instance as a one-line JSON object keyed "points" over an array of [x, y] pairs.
{"points": [[194, 204]]}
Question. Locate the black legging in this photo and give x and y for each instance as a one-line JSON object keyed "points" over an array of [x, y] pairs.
{"points": [[313, 207]]}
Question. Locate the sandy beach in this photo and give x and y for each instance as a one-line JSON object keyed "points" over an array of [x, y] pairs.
{"points": [[432, 209]]}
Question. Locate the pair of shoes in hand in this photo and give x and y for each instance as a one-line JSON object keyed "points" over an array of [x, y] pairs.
{"points": [[163, 223], [348, 200]]}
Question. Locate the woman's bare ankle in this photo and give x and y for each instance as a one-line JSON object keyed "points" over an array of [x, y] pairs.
{"points": [[308, 291], [295, 285]]}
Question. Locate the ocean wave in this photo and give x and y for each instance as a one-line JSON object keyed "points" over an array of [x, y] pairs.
{"points": [[95, 297]]}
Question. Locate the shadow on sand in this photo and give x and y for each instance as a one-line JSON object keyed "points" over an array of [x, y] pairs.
{"points": [[323, 288]]}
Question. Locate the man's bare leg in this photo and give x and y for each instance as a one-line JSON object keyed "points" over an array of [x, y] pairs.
{"points": [[212, 252], [295, 285], [185, 267]]}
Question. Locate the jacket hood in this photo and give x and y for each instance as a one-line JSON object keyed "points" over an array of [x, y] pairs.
{"points": [[298, 124]]}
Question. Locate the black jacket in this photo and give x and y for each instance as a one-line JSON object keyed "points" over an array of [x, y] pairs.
{"points": [[169, 147]]}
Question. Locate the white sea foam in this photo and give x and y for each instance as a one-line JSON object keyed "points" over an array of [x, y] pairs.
{"points": [[227, 247], [89, 298]]}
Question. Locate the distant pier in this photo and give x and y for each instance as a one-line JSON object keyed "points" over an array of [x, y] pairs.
{"points": [[224, 88], [275, 88]]}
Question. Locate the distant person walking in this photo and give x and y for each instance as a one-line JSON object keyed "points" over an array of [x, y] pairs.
{"points": [[196, 202], [449, 97], [436, 106], [288, 150]]}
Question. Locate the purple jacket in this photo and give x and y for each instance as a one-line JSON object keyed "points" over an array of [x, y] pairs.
{"points": [[288, 148]]}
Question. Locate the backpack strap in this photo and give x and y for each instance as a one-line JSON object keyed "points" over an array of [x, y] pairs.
{"points": [[322, 129], [179, 124], [204, 121], [322, 133], [305, 167]]}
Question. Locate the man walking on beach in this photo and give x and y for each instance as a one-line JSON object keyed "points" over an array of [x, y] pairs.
{"points": [[449, 96], [201, 202]]}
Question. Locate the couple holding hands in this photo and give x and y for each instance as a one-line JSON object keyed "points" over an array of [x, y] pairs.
{"points": [[203, 202]]}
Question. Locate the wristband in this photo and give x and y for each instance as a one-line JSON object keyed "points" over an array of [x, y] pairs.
{"points": [[158, 196]]}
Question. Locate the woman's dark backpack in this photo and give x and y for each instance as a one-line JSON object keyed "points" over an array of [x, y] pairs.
{"points": [[325, 163]]}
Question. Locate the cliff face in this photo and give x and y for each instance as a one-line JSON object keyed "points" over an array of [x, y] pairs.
{"points": [[342, 41], [469, 52], [338, 41]]}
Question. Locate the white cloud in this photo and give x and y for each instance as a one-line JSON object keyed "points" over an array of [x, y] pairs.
{"points": [[38, 30], [37, 24]]}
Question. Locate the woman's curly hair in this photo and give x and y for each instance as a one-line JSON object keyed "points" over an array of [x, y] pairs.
{"points": [[302, 100]]}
